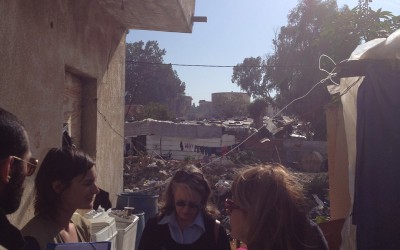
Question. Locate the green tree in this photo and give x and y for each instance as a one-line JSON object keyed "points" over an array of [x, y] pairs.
{"points": [[148, 80], [248, 76], [374, 24], [257, 110], [314, 28], [295, 64], [229, 107], [155, 111]]}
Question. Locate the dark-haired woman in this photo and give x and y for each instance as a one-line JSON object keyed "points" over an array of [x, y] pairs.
{"points": [[186, 220], [66, 181]]}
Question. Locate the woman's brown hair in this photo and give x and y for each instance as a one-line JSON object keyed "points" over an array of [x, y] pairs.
{"points": [[59, 164], [194, 178], [274, 207]]}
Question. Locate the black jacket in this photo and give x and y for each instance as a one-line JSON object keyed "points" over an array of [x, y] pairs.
{"points": [[158, 237], [10, 236]]}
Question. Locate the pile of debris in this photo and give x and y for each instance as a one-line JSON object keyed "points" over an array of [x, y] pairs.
{"points": [[149, 175]]}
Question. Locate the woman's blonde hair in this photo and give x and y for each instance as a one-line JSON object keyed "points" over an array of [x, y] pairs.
{"points": [[274, 206]]}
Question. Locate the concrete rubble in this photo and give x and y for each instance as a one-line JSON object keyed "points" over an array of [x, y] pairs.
{"points": [[149, 175]]}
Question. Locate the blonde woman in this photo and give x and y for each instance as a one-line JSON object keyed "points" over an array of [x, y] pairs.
{"points": [[267, 211], [186, 220]]}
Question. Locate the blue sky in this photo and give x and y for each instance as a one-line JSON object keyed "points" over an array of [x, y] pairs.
{"points": [[235, 29]]}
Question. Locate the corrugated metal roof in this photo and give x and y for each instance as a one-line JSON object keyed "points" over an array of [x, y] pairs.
{"points": [[165, 128]]}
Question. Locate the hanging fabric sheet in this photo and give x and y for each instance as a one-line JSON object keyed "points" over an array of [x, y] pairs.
{"points": [[376, 210]]}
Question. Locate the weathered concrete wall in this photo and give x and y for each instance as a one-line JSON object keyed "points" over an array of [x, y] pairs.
{"points": [[39, 42]]}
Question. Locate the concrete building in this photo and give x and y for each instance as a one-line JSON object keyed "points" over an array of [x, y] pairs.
{"points": [[64, 62], [181, 106], [204, 110]]}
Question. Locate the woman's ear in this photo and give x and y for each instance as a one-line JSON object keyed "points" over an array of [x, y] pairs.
{"points": [[57, 186], [5, 169]]}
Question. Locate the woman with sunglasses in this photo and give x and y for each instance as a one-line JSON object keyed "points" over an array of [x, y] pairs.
{"points": [[267, 211], [187, 219], [65, 182]]}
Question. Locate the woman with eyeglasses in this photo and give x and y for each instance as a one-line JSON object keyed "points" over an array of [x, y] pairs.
{"points": [[267, 211], [65, 182], [187, 219]]}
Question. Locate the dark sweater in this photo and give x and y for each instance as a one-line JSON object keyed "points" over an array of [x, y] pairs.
{"points": [[158, 237], [10, 236]]}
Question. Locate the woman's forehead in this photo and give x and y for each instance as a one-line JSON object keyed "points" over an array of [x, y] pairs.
{"points": [[184, 191], [182, 188], [91, 173]]}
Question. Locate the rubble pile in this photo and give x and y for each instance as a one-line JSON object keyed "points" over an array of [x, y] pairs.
{"points": [[149, 175]]}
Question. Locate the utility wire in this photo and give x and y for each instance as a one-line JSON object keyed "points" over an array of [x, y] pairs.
{"points": [[219, 66], [329, 77]]}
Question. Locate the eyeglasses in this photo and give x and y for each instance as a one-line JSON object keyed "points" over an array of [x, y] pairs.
{"points": [[187, 203], [31, 164], [230, 205], [182, 176]]}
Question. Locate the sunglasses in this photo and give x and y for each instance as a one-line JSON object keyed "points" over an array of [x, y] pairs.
{"points": [[182, 176], [230, 205], [31, 164], [187, 203]]}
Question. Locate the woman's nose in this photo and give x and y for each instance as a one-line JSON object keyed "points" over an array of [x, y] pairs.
{"points": [[96, 189]]}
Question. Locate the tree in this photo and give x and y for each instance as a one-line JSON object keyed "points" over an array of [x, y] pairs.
{"points": [[229, 107], [148, 80], [155, 111], [374, 24], [248, 76], [257, 110], [294, 65], [314, 28]]}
